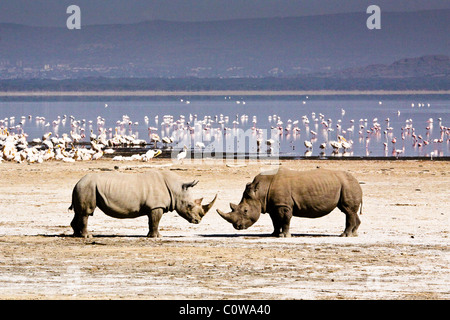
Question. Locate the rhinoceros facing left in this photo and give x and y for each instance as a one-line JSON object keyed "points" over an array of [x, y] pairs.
{"points": [[286, 193], [121, 195]]}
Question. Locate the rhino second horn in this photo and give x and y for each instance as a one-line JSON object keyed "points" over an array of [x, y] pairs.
{"points": [[208, 206], [226, 216]]}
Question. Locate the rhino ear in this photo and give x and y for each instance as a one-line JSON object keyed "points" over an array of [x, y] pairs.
{"points": [[188, 185], [251, 188]]}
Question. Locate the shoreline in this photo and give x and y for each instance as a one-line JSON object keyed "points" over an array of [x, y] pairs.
{"points": [[246, 157], [150, 93]]}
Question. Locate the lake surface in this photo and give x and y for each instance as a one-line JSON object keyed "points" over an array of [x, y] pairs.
{"points": [[244, 125]]}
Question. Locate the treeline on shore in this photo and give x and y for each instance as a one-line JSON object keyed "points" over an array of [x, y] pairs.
{"points": [[206, 84]]}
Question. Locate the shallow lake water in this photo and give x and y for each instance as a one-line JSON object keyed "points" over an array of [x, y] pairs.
{"points": [[413, 126]]}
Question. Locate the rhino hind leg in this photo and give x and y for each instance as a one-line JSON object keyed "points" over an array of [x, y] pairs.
{"points": [[83, 204], [349, 203], [79, 225], [153, 223], [352, 221]]}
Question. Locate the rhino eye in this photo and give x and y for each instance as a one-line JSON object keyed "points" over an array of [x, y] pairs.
{"points": [[245, 211]]}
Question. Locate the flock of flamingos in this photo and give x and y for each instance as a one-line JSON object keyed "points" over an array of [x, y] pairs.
{"points": [[93, 140]]}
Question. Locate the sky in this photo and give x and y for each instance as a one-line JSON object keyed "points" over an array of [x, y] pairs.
{"points": [[53, 12]]}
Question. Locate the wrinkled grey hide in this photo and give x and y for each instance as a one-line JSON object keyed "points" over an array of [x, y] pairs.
{"points": [[122, 196], [286, 193]]}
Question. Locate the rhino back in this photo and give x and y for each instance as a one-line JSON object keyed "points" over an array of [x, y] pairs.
{"points": [[126, 195], [351, 192], [310, 193]]}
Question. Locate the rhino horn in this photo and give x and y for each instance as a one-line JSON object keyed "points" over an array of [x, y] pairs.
{"points": [[208, 206], [227, 216]]}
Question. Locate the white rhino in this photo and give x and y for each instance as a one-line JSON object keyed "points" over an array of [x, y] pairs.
{"points": [[286, 193], [121, 195]]}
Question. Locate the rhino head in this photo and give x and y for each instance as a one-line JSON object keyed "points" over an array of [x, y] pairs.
{"points": [[247, 212], [192, 211]]}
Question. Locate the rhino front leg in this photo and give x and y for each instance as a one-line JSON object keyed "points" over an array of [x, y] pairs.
{"points": [[153, 223], [276, 221], [281, 219]]}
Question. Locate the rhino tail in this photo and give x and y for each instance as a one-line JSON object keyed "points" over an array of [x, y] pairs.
{"points": [[360, 208], [70, 208]]}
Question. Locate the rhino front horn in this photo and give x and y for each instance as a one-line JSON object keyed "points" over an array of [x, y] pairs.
{"points": [[208, 206], [226, 216]]}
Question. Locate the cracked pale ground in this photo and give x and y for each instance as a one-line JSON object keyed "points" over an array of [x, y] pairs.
{"points": [[401, 252]]}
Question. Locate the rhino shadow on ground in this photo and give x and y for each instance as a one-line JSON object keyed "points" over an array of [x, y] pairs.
{"points": [[264, 235], [211, 235], [62, 235]]}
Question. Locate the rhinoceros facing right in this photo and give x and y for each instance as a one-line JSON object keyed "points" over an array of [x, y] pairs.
{"points": [[123, 196], [286, 193]]}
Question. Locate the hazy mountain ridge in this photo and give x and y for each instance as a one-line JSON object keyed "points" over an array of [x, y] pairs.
{"points": [[425, 66], [233, 48]]}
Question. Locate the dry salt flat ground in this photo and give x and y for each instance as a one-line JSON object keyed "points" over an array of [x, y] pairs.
{"points": [[401, 251]]}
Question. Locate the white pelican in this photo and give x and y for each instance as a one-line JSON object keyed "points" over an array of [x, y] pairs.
{"points": [[335, 144], [346, 145], [150, 154], [49, 154], [46, 136], [97, 155], [200, 145], [308, 144]]}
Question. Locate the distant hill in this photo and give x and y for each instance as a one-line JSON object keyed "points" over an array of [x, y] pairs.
{"points": [[268, 47], [339, 81], [426, 66]]}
